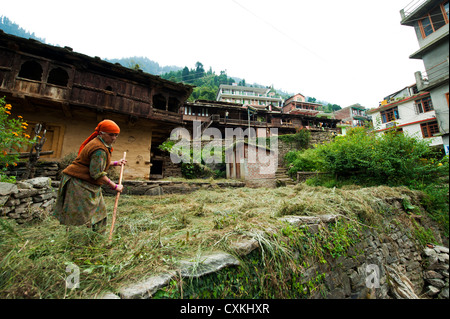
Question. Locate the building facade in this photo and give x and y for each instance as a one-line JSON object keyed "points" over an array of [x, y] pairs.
{"points": [[68, 93], [351, 116], [409, 112], [430, 20], [249, 96], [297, 104]]}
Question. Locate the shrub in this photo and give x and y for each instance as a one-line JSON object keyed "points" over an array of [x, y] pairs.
{"points": [[307, 160], [13, 137], [299, 140], [391, 158]]}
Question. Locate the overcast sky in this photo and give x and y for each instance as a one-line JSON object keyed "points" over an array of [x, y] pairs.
{"points": [[343, 52]]}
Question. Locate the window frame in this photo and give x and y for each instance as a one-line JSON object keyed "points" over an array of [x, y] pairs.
{"points": [[430, 128], [389, 115], [428, 16], [424, 105]]}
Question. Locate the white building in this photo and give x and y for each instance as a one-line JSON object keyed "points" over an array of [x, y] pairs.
{"points": [[430, 21], [408, 112], [244, 95]]}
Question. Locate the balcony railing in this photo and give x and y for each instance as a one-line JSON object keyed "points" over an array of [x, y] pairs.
{"points": [[411, 7], [436, 73]]}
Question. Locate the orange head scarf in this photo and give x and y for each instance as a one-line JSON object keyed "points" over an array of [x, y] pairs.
{"points": [[106, 126]]}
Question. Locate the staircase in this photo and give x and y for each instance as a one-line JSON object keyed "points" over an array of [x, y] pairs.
{"points": [[282, 178]]}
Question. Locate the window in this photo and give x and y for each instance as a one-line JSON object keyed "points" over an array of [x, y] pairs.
{"points": [[58, 76], [31, 70], [390, 115], [424, 105], [434, 20], [429, 129]]}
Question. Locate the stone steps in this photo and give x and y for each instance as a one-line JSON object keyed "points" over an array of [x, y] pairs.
{"points": [[282, 177]]}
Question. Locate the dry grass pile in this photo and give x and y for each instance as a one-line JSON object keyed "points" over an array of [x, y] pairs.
{"points": [[153, 233]]}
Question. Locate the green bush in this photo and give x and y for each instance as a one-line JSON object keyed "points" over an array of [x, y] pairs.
{"points": [[307, 161], [391, 158], [299, 140]]}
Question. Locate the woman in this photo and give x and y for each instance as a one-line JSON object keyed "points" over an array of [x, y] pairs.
{"points": [[80, 200]]}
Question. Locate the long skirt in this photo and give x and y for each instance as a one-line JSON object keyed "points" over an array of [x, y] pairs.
{"points": [[80, 203]]}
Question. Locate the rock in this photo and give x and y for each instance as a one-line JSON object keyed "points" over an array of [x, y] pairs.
{"points": [[438, 283], [207, 264], [300, 220], [400, 285], [429, 252], [8, 189], [432, 291], [145, 289], [245, 246], [23, 185], [108, 295], [441, 249], [431, 274], [23, 193], [40, 182], [444, 294], [443, 258], [3, 200]]}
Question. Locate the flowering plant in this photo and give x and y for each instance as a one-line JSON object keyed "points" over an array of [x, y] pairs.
{"points": [[13, 137]]}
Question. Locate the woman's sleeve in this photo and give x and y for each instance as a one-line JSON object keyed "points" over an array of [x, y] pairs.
{"points": [[98, 164]]}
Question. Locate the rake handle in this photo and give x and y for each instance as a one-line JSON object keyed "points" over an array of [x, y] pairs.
{"points": [[117, 199]]}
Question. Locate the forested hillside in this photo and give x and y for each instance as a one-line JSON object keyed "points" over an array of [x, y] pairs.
{"points": [[145, 64], [12, 28]]}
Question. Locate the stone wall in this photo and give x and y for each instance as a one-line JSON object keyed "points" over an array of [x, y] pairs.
{"points": [[436, 271], [162, 187], [27, 200], [41, 169], [318, 136], [386, 264]]}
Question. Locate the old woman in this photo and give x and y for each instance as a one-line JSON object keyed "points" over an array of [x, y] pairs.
{"points": [[80, 200]]}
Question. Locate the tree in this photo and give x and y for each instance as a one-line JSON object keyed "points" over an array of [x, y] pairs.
{"points": [[199, 70], [185, 74]]}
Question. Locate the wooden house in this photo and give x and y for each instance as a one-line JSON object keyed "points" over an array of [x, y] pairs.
{"points": [[69, 93]]}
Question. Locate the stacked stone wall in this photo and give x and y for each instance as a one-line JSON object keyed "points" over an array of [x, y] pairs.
{"points": [[27, 200]]}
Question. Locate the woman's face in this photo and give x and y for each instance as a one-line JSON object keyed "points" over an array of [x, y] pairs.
{"points": [[109, 138]]}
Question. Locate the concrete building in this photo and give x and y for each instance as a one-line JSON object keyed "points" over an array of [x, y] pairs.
{"points": [[248, 96], [351, 116], [430, 19], [297, 104], [409, 112]]}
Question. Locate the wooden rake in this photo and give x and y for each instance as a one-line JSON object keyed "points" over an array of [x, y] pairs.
{"points": [[117, 200]]}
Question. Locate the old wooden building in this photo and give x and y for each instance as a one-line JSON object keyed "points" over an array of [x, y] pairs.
{"points": [[69, 93]]}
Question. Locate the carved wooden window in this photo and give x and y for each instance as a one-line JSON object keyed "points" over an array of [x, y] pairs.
{"points": [[58, 76], [31, 70]]}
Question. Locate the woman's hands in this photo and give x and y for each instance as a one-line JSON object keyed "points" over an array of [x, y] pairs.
{"points": [[119, 162]]}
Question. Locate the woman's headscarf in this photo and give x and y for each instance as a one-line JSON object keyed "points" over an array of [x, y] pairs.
{"points": [[106, 126]]}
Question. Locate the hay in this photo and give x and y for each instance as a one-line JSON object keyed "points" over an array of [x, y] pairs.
{"points": [[153, 233]]}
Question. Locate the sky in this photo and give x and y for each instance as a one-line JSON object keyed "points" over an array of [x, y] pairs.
{"points": [[343, 52]]}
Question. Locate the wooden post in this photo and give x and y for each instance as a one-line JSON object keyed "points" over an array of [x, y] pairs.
{"points": [[117, 200]]}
